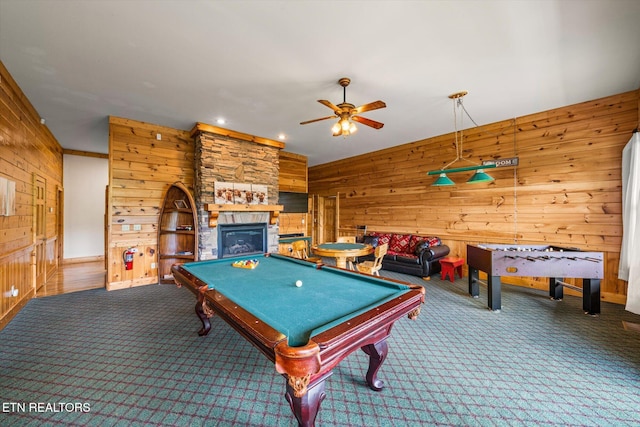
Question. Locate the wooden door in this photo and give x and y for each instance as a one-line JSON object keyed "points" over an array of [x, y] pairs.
{"points": [[323, 218], [40, 232], [60, 227], [330, 210]]}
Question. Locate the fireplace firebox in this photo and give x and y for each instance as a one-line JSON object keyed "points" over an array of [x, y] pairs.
{"points": [[241, 239]]}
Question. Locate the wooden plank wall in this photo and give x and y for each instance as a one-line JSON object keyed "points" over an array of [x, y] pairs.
{"points": [[566, 190], [292, 178], [26, 148], [141, 169]]}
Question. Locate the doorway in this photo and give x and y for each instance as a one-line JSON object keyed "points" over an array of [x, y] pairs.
{"points": [[40, 234], [324, 218]]}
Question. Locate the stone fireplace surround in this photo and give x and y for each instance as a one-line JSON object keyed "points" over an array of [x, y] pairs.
{"points": [[223, 158]]}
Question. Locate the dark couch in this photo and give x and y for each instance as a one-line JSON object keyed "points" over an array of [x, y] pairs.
{"points": [[408, 253]]}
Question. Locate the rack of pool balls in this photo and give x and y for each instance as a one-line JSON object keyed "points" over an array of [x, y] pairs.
{"points": [[248, 263]]}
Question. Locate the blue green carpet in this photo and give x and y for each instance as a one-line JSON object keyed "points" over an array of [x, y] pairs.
{"points": [[133, 358]]}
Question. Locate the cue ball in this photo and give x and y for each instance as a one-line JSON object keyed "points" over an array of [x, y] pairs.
{"points": [[298, 283]]}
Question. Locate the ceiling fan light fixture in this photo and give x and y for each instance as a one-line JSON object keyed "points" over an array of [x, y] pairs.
{"points": [[345, 112]]}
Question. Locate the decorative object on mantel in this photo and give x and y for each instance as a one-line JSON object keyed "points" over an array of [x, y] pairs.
{"points": [[480, 175], [215, 209], [234, 193], [347, 112]]}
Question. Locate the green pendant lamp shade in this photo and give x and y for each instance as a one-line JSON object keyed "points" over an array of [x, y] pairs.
{"points": [[478, 177], [443, 180], [479, 174]]}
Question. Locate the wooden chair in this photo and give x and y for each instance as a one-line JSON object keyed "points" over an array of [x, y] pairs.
{"points": [[361, 231], [300, 251], [373, 267], [348, 239]]}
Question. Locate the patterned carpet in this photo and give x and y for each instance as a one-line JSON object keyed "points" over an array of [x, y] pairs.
{"points": [[133, 357]]}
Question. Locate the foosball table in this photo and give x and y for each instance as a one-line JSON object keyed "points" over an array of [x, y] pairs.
{"points": [[554, 262]]}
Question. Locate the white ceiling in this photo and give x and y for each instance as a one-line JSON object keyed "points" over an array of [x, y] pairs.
{"points": [[262, 65]]}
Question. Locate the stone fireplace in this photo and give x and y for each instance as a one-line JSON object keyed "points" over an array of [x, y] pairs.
{"points": [[226, 156]]}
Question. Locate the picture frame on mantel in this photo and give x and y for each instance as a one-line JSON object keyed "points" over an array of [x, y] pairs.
{"points": [[237, 193], [223, 193], [260, 194]]}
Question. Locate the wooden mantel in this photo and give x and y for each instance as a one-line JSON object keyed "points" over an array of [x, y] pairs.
{"points": [[214, 211], [203, 127]]}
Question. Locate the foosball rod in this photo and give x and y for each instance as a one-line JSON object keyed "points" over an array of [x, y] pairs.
{"points": [[568, 285]]}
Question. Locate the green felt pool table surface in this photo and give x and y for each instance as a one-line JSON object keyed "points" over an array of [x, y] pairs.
{"points": [[341, 246], [326, 298], [306, 331]]}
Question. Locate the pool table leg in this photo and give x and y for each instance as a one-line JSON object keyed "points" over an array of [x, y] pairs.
{"points": [[306, 408], [204, 318], [377, 353]]}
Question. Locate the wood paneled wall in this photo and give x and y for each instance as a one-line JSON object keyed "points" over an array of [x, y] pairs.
{"points": [[141, 169], [293, 178], [27, 149], [566, 190]]}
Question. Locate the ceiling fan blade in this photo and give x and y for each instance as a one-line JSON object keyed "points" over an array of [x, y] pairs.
{"points": [[330, 105], [370, 106], [317, 120], [368, 122]]}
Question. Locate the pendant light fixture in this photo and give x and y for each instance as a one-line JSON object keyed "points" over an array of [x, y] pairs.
{"points": [[480, 175]]}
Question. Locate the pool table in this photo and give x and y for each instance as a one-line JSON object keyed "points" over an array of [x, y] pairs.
{"points": [[307, 330]]}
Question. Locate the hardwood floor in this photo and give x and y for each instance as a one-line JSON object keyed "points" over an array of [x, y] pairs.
{"points": [[75, 277]]}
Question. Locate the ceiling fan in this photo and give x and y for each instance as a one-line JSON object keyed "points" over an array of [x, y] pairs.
{"points": [[347, 112]]}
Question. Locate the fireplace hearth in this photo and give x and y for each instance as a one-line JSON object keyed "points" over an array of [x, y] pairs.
{"points": [[241, 239]]}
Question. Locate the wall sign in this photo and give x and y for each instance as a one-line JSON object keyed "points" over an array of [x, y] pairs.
{"points": [[502, 163]]}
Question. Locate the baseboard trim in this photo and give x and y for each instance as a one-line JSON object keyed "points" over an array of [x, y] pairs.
{"points": [[83, 259], [15, 309]]}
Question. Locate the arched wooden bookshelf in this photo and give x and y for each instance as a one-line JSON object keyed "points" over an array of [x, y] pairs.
{"points": [[177, 231]]}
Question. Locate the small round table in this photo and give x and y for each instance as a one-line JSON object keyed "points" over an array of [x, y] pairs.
{"points": [[342, 251]]}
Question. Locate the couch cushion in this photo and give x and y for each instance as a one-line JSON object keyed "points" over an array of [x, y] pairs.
{"points": [[426, 243], [370, 240], [399, 243], [408, 259], [382, 237], [413, 242]]}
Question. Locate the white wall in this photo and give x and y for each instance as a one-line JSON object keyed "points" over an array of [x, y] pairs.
{"points": [[85, 181]]}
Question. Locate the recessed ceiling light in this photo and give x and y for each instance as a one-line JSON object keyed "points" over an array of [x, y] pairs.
{"points": [[221, 121], [282, 136]]}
